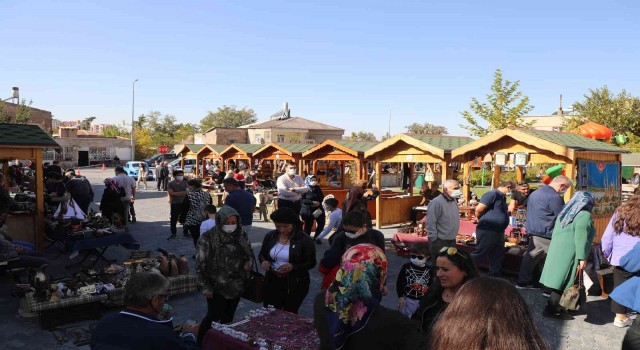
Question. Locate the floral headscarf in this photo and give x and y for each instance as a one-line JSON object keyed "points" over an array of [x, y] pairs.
{"points": [[307, 180], [110, 183], [356, 291], [582, 200]]}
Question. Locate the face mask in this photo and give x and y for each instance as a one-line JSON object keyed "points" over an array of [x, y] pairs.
{"points": [[352, 235], [229, 228], [179, 178], [508, 194], [313, 183], [456, 193], [419, 262], [291, 171]]}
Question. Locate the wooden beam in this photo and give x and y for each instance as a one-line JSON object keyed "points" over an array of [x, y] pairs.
{"points": [[466, 186], [39, 239], [378, 166], [519, 174], [570, 172], [495, 180]]}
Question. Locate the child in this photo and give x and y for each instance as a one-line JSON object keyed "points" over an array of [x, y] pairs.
{"points": [[262, 198], [210, 223], [414, 280]]}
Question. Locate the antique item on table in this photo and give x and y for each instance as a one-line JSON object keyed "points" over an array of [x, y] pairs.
{"points": [[183, 265], [139, 254], [38, 280], [173, 265], [164, 265]]}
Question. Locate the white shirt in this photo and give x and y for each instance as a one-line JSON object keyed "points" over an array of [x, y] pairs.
{"points": [[285, 182], [280, 255], [126, 182], [335, 218], [207, 225]]}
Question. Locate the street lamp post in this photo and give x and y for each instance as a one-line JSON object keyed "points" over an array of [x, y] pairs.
{"points": [[133, 107]]}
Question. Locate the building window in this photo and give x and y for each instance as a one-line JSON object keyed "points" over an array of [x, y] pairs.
{"points": [[267, 136], [557, 128], [280, 138], [310, 142]]}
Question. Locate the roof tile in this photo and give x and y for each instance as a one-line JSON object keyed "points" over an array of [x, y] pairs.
{"points": [[25, 135], [443, 142], [574, 141]]}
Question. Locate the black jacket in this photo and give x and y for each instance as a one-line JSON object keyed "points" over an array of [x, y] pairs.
{"points": [[341, 242], [314, 194], [386, 329], [302, 253], [430, 308]]}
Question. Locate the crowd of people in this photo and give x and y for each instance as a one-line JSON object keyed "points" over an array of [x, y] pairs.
{"points": [[443, 302]]}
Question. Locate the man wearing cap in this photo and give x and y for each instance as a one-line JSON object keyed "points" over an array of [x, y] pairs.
{"points": [[240, 200], [80, 190], [129, 185], [290, 188], [177, 193]]}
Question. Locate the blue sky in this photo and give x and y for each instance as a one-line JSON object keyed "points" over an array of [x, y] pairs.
{"points": [[342, 63]]}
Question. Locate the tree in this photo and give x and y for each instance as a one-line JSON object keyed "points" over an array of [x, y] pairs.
{"points": [[426, 129], [114, 131], [86, 123], [505, 106], [228, 117], [362, 136], [23, 112], [619, 113], [144, 143], [184, 131], [386, 136]]}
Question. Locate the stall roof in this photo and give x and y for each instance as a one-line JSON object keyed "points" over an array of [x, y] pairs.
{"points": [[347, 146], [25, 136], [213, 148], [557, 142], [287, 148], [193, 147], [434, 144], [246, 148]]}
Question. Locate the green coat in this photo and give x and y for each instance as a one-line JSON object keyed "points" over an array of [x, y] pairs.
{"points": [[568, 245]]}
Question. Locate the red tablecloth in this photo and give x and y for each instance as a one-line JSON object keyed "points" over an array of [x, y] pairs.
{"points": [[288, 330]]}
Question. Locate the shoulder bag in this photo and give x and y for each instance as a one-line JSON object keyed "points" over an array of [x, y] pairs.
{"points": [[255, 285], [574, 296]]}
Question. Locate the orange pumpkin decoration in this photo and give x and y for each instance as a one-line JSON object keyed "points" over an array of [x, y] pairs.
{"points": [[595, 131]]}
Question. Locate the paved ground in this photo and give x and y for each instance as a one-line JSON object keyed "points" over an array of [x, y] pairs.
{"points": [[592, 329]]}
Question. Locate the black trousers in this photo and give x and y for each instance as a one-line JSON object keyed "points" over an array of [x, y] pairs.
{"points": [[160, 183], [219, 309], [177, 214], [620, 276], [631, 340], [283, 294], [295, 205], [194, 231], [308, 223]]}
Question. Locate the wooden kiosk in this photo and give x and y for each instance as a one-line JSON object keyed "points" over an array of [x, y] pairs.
{"points": [[270, 154], [209, 152], [434, 151], [239, 152], [321, 158], [26, 142], [592, 165], [188, 151]]}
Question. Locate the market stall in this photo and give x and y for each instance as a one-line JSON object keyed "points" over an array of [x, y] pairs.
{"points": [[188, 151], [239, 155], [433, 152], [272, 156], [592, 165], [209, 153], [25, 142]]}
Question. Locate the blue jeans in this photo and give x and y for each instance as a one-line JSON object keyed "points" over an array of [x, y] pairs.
{"points": [[490, 244]]}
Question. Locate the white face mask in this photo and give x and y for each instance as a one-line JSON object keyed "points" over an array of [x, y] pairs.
{"points": [[229, 228], [179, 178], [313, 183], [291, 171], [456, 194], [356, 234], [419, 262]]}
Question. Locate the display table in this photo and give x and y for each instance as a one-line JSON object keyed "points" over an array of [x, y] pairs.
{"points": [[289, 331], [98, 246]]}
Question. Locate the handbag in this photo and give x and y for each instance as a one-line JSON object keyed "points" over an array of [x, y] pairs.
{"points": [[574, 296], [255, 285], [317, 213]]}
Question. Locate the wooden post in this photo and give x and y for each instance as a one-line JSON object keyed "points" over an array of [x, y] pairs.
{"points": [[496, 177], [378, 167], [445, 171], [358, 170], [519, 174], [569, 170], [39, 222], [466, 186]]}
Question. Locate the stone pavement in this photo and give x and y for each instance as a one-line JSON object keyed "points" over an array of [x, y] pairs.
{"points": [[592, 329]]}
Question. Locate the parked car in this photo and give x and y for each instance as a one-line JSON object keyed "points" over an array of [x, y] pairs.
{"points": [[189, 163], [131, 168], [151, 162]]}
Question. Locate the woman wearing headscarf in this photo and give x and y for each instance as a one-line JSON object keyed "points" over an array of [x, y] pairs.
{"points": [[356, 200], [287, 255], [572, 235], [312, 202], [223, 261], [348, 315], [111, 201]]}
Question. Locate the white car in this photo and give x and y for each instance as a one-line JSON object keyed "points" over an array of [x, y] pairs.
{"points": [[189, 163]]}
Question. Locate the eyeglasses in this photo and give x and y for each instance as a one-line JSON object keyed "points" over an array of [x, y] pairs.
{"points": [[419, 257], [451, 251]]}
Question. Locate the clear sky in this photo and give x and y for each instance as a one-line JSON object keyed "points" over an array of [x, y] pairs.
{"points": [[344, 63]]}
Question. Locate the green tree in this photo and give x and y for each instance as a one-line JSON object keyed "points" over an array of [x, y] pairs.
{"points": [[386, 136], [23, 112], [228, 117], [114, 131], [426, 129], [362, 136], [505, 106], [620, 113], [86, 123], [184, 131]]}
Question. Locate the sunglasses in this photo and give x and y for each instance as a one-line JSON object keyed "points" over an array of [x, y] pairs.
{"points": [[419, 257], [451, 251]]}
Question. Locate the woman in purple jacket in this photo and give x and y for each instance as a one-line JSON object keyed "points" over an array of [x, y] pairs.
{"points": [[622, 233]]}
